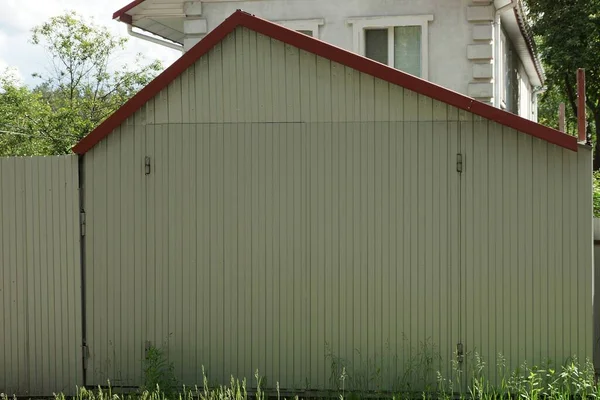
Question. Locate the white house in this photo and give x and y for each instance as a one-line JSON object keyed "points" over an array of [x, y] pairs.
{"points": [[481, 48]]}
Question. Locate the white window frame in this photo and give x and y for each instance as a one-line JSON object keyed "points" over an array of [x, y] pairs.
{"points": [[361, 24], [311, 25], [503, 65]]}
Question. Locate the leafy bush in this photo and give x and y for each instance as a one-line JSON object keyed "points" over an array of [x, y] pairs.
{"points": [[159, 374]]}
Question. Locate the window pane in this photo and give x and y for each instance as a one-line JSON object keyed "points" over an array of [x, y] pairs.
{"points": [[309, 33], [376, 45], [407, 49]]}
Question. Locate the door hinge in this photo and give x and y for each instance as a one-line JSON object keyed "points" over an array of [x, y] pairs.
{"points": [[459, 162], [460, 353], [82, 223], [86, 355]]}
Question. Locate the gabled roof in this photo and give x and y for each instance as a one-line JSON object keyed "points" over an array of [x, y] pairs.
{"points": [[328, 51]]}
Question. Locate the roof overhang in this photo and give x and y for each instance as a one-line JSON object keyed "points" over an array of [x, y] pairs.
{"points": [[332, 53], [514, 21], [163, 18]]}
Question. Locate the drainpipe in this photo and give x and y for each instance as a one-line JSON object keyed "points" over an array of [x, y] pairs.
{"points": [[153, 40]]}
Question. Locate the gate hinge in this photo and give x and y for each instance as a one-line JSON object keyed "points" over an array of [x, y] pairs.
{"points": [[82, 223], [459, 162], [86, 355]]}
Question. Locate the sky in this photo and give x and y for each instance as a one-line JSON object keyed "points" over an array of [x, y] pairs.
{"points": [[18, 17]]}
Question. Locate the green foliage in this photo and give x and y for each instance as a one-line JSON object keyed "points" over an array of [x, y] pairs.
{"points": [[571, 381], [80, 89], [159, 374], [568, 36], [366, 374]]}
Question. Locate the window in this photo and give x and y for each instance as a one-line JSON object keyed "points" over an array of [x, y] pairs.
{"points": [[309, 27], [508, 76], [400, 42]]}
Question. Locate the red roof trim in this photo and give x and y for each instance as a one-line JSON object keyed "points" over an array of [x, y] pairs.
{"points": [[122, 15], [332, 53]]}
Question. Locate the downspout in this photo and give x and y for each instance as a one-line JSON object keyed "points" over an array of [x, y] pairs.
{"points": [[152, 40]]}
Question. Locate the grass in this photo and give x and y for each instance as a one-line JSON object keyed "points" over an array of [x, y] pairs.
{"points": [[571, 381]]}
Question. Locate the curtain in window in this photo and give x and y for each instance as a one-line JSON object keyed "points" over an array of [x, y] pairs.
{"points": [[407, 49], [376, 45]]}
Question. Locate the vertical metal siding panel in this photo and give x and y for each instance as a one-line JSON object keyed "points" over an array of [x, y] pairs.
{"points": [[3, 274], [322, 99], [584, 254], [292, 288], [149, 244], [571, 240], [300, 254], [229, 82], [425, 232], [467, 209], [496, 287], [139, 231], [159, 299], [172, 268], [262, 76], [246, 47], [441, 179], [191, 231], [356, 253], [284, 291], [31, 188], [511, 241], [528, 263], [410, 264], [254, 250], [554, 169], [249, 179], [206, 233], [186, 296], [37, 326], [228, 250], [396, 104], [127, 301], [540, 246], [242, 253], [381, 189], [8, 224], [112, 272], [367, 133], [453, 233], [20, 305]]}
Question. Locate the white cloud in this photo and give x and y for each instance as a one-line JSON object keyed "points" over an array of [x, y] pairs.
{"points": [[18, 17]]}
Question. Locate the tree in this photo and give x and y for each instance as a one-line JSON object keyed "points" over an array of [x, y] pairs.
{"points": [[82, 86], [568, 33]]}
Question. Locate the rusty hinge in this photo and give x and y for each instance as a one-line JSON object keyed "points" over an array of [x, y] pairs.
{"points": [[86, 355], [459, 163], [82, 223]]}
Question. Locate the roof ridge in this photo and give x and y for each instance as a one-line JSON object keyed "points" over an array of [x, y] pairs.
{"points": [[328, 51]]}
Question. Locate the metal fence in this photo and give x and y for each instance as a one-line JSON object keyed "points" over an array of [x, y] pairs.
{"points": [[40, 282]]}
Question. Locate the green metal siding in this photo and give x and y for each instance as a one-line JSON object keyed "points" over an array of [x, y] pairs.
{"points": [[297, 208], [40, 281]]}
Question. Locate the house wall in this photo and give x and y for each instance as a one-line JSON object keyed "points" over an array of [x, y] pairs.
{"points": [[40, 280], [296, 208], [449, 32]]}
